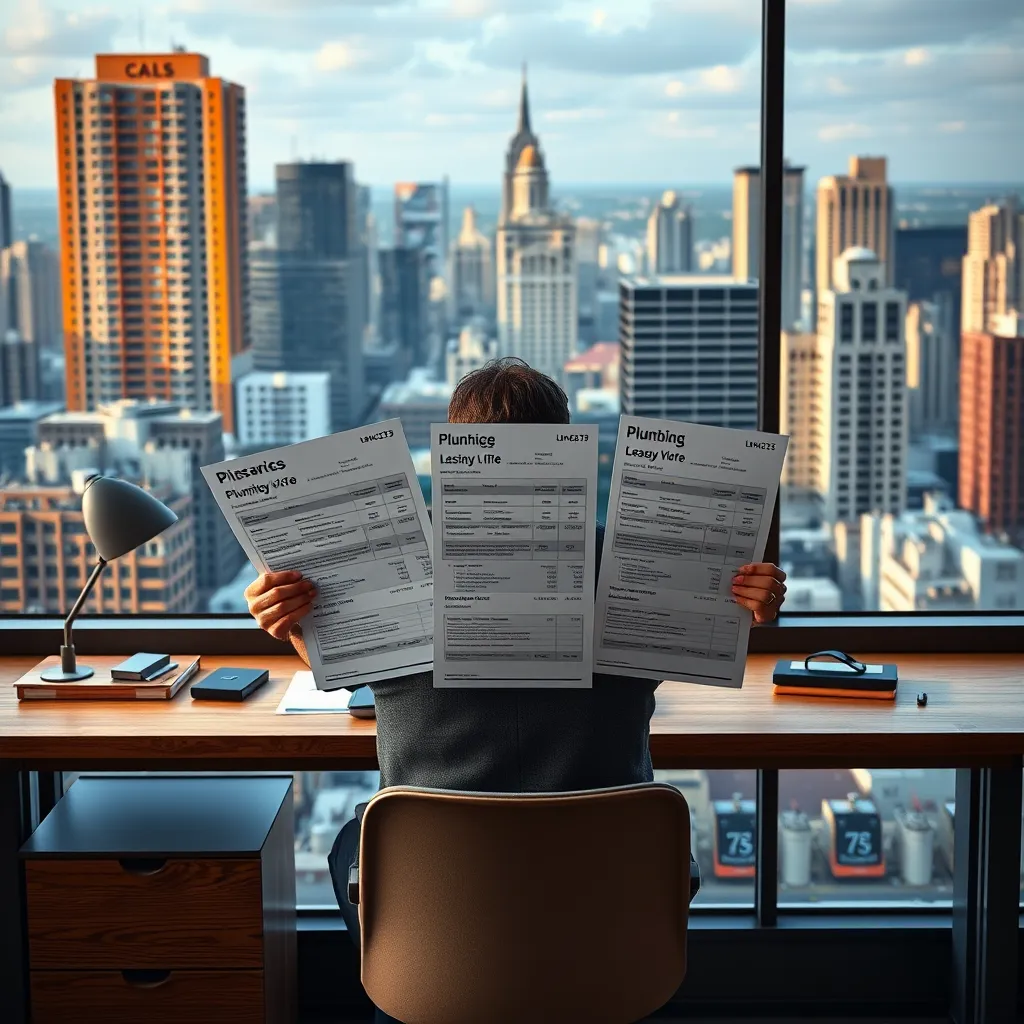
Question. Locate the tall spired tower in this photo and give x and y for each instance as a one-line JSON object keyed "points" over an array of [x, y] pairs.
{"points": [[536, 250]]}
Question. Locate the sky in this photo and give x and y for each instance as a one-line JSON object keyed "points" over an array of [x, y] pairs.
{"points": [[622, 91]]}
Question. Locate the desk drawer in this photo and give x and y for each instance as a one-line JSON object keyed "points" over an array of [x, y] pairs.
{"points": [[114, 997], [134, 914]]}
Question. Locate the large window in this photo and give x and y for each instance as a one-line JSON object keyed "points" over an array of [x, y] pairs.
{"points": [[902, 303], [398, 204]]}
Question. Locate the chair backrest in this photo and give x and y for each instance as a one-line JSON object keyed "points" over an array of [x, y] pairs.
{"points": [[524, 908]]}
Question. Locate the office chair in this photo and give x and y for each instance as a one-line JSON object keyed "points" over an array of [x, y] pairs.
{"points": [[565, 907]]}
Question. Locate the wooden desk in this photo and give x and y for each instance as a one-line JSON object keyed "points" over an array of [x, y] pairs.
{"points": [[974, 721], [974, 717]]}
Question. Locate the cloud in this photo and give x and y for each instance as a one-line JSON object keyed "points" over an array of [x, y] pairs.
{"points": [[916, 56], [722, 78], [952, 127], [39, 31], [859, 25], [841, 132], [676, 36], [362, 54]]}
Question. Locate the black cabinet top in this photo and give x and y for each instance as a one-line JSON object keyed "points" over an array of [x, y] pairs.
{"points": [[161, 816]]}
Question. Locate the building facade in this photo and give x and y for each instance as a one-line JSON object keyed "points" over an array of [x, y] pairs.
{"points": [[688, 347], [861, 434], [800, 412], [46, 557], [929, 261], [993, 268], [472, 272], [936, 560], [670, 236], [536, 249], [282, 408], [854, 210], [162, 446], [992, 431], [30, 287], [405, 303], [19, 369], [421, 221], [152, 186], [932, 366], [418, 402], [19, 429], [746, 234], [309, 292], [6, 217]]}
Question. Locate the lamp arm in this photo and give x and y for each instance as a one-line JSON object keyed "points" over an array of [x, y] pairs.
{"points": [[101, 564]]}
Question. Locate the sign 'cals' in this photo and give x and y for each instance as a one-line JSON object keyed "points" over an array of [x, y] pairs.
{"points": [[150, 69]]}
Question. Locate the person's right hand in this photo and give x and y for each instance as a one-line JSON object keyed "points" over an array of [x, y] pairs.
{"points": [[277, 600]]}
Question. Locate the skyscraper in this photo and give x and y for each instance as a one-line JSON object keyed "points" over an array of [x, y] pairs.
{"points": [[800, 412], [404, 300], [6, 216], [472, 272], [932, 365], [854, 209], [992, 430], [537, 287], [309, 294], [19, 369], [689, 349], [993, 269], [670, 237], [746, 234], [421, 221], [860, 435], [30, 278], [152, 185]]}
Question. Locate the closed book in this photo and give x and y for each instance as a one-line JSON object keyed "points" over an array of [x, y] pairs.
{"points": [[834, 679], [141, 667]]}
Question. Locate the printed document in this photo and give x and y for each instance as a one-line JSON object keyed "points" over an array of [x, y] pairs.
{"points": [[689, 505], [514, 535], [347, 512]]}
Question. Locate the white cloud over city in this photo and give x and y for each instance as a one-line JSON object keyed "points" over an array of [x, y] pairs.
{"points": [[622, 90]]}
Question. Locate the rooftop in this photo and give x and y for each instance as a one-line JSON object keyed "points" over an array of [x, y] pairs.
{"points": [[597, 357], [689, 281], [31, 410]]}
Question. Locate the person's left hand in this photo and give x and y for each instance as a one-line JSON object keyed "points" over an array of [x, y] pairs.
{"points": [[761, 587]]}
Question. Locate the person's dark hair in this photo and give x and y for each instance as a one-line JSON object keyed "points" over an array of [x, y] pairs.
{"points": [[508, 391]]}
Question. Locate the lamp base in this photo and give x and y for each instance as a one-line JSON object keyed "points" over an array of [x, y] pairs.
{"points": [[58, 675]]}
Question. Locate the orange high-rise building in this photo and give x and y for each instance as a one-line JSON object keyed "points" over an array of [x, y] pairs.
{"points": [[151, 166]]}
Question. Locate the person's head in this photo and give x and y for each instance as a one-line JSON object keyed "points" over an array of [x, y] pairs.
{"points": [[508, 391]]}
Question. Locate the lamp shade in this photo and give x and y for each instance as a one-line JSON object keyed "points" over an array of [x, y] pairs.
{"points": [[120, 517]]}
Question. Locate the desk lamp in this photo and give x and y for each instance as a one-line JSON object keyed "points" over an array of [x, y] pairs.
{"points": [[119, 517]]}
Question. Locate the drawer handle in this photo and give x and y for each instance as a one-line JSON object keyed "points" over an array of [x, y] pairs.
{"points": [[142, 865], [146, 979]]}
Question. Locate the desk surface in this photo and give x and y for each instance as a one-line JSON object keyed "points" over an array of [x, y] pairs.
{"points": [[974, 716]]}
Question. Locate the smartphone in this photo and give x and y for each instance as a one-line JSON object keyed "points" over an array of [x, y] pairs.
{"points": [[361, 704], [230, 684]]}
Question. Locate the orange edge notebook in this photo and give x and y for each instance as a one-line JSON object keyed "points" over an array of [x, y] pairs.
{"points": [[102, 687]]}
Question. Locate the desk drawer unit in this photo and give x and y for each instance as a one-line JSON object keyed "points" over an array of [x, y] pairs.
{"points": [[164, 898]]}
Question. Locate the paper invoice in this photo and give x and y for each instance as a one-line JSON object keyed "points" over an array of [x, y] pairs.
{"points": [[347, 512], [689, 504], [514, 535]]}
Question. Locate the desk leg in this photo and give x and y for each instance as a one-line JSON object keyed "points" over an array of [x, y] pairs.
{"points": [[986, 894], [13, 940]]}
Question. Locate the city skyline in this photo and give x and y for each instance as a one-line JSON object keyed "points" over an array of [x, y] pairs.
{"points": [[418, 88]]}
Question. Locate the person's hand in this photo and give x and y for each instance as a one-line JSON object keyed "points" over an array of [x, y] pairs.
{"points": [[277, 600], [761, 587]]}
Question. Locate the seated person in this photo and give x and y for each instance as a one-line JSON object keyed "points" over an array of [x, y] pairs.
{"points": [[500, 741]]}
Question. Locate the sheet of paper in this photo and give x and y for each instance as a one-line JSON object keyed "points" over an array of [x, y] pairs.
{"points": [[304, 698], [347, 512], [689, 504], [514, 534]]}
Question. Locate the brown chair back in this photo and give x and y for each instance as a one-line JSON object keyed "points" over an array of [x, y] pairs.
{"points": [[524, 909]]}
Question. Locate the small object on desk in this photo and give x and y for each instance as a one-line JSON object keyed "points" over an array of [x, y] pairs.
{"points": [[34, 686], [922, 699], [362, 704], [835, 674], [141, 666], [234, 684], [303, 698]]}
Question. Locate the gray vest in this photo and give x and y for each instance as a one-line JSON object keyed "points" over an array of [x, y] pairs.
{"points": [[514, 741]]}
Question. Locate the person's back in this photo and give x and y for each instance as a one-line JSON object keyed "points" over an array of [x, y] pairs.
{"points": [[530, 740]]}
